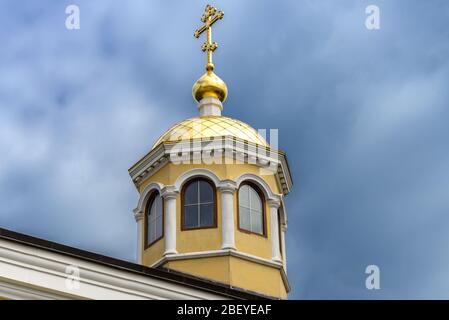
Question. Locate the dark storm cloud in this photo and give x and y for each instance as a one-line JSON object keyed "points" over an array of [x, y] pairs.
{"points": [[362, 114]]}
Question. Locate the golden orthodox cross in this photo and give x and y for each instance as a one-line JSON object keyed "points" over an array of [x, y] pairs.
{"points": [[209, 17]]}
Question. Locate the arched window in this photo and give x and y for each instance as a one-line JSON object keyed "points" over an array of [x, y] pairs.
{"points": [[198, 205], [154, 219], [251, 209]]}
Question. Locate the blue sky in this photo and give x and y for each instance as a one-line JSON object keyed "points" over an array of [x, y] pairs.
{"points": [[363, 116]]}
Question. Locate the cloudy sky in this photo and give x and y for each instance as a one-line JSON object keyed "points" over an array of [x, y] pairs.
{"points": [[363, 115]]}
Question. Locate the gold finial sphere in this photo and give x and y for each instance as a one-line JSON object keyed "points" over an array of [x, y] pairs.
{"points": [[210, 85]]}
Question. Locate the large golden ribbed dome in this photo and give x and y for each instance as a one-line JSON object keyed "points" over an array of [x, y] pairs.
{"points": [[211, 127]]}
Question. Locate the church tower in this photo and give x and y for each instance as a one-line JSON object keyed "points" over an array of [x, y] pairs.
{"points": [[212, 194]]}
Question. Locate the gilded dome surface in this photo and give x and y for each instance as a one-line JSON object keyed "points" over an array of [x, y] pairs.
{"points": [[210, 127]]}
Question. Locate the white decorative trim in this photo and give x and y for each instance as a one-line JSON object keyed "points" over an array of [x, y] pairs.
{"points": [[261, 183], [283, 210], [283, 222], [38, 272], [196, 173], [217, 253], [149, 165], [138, 214], [146, 193], [232, 146], [274, 228], [170, 194], [227, 185], [140, 234], [210, 106], [227, 189], [284, 256], [284, 175], [14, 291], [274, 203]]}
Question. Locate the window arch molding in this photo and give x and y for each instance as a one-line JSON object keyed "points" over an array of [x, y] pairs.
{"points": [[147, 192], [209, 204], [196, 173], [250, 213], [259, 182]]}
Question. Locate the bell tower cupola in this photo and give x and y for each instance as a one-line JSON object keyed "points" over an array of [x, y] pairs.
{"points": [[212, 194]]}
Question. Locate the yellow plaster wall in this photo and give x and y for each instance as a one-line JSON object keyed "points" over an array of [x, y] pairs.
{"points": [[252, 243], [234, 271], [257, 277], [213, 268], [153, 252]]}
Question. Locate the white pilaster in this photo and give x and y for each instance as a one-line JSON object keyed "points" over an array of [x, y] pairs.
{"points": [[227, 189], [138, 215], [284, 256], [210, 106], [274, 226], [169, 194]]}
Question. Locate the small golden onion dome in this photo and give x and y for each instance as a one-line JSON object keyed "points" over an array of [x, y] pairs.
{"points": [[211, 127], [210, 85]]}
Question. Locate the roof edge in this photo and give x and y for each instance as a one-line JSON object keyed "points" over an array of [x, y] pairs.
{"points": [[159, 273]]}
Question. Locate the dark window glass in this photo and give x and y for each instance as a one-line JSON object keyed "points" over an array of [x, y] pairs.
{"points": [[199, 205], [191, 216], [250, 209], [191, 193], [207, 214], [256, 222], [206, 192], [154, 220], [244, 218]]}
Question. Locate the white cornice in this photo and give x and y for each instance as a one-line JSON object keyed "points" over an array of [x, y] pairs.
{"points": [[229, 147]]}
